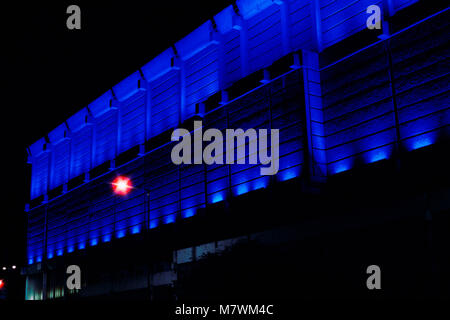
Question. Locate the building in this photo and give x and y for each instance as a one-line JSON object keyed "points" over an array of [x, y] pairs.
{"points": [[364, 126]]}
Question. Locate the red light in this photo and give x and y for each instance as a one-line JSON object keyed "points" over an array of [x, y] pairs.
{"points": [[122, 185], [2, 284]]}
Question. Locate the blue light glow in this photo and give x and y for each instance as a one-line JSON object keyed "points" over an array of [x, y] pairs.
{"points": [[188, 213], [120, 234], [153, 224], [136, 229], [38, 259], [288, 174], [217, 197], [259, 184], [341, 166], [169, 219], [50, 255], [420, 142], [107, 238], [81, 246], [30, 261], [59, 252], [241, 189], [376, 155], [94, 242], [70, 249]]}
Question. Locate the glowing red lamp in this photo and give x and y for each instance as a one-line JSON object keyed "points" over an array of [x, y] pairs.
{"points": [[122, 185], [2, 283]]}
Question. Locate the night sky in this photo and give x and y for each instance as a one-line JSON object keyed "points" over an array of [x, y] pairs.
{"points": [[50, 72]]}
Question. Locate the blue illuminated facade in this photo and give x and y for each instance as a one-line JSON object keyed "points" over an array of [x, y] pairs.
{"points": [[388, 97]]}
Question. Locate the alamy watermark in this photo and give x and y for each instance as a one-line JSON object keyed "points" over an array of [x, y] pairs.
{"points": [[374, 280], [213, 153], [74, 279], [73, 22], [374, 20]]}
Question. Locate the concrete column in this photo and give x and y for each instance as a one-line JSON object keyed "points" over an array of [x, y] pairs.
{"points": [[316, 154], [317, 24]]}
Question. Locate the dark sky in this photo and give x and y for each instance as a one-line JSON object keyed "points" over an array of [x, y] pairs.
{"points": [[50, 72]]}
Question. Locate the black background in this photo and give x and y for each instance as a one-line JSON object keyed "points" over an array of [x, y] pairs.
{"points": [[50, 72]]}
